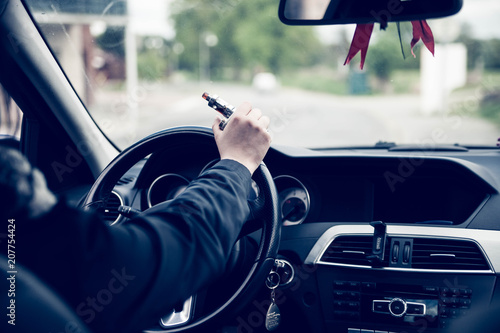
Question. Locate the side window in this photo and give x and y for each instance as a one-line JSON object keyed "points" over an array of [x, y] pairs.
{"points": [[10, 119]]}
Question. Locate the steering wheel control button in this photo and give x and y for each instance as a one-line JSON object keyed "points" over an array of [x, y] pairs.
{"points": [[381, 306], [397, 307]]}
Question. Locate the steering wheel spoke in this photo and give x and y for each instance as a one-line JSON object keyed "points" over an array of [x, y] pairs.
{"points": [[180, 315]]}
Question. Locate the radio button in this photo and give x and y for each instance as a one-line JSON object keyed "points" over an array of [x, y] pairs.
{"points": [[445, 291], [397, 307], [454, 313], [339, 284], [365, 286], [339, 305], [465, 292], [431, 290], [353, 305], [354, 295], [465, 303], [353, 285], [415, 309], [381, 306]]}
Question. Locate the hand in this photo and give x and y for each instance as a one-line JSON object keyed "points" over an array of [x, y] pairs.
{"points": [[245, 138]]}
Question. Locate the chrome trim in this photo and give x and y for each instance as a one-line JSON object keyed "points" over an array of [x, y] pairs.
{"points": [[406, 305], [307, 203], [380, 301], [121, 204], [397, 299], [488, 242], [450, 255], [353, 252], [175, 319], [292, 276], [417, 303], [158, 179]]}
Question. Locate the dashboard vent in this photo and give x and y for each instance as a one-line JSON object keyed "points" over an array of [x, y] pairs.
{"points": [[110, 212], [351, 250], [125, 181], [448, 254]]}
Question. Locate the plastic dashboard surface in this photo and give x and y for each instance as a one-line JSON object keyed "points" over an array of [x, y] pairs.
{"points": [[442, 250], [430, 201]]}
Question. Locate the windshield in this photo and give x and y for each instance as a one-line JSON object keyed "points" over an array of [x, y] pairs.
{"points": [[141, 66]]}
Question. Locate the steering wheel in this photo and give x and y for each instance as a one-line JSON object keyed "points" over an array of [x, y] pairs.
{"points": [[264, 209]]}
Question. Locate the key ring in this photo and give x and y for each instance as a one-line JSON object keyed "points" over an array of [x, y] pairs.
{"points": [[273, 280]]}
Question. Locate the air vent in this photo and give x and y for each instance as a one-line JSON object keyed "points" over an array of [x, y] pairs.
{"points": [[448, 254], [125, 180], [350, 250], [110, 212]]}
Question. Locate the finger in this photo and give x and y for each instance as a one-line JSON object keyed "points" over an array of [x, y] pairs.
{"points": [[265, 121], [215, 125], [255, 113], [244, 109]]}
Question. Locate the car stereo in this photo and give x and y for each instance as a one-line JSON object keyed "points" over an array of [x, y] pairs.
{"points": [[401, 305]]}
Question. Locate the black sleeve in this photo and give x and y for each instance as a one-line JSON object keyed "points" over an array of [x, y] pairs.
{"points": [[123, 277]]}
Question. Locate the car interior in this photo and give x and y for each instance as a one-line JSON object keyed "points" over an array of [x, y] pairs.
{"points": [[387, 237]]}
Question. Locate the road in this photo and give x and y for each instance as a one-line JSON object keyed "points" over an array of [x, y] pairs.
{"points": [[298, 118]]}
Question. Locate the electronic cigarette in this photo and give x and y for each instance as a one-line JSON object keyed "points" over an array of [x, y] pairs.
{"points": [[225, 109]]}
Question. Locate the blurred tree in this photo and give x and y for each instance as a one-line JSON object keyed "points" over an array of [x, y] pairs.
{"points": [[250, 36], [475, 48], [385, 55], [492, 54], [151, 65], [113, 41]]}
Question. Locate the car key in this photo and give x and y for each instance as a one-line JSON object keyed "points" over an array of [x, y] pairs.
{"points": [[273, 315], [224, 108]]}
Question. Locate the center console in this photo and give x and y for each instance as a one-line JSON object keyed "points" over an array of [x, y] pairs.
{"points": [[356, 300]]}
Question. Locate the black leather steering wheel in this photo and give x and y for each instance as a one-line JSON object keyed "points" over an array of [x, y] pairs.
{"points": [[265, 209]]}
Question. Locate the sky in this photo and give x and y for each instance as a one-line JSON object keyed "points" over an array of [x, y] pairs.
{"points": [[149, 17]]}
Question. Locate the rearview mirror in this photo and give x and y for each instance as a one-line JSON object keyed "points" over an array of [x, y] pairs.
{"points": [[325, 12]]}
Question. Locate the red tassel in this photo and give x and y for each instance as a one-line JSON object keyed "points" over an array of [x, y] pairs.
{"points": [[360, 41], [421, 30]]}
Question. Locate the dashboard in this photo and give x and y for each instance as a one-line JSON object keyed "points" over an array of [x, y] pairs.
{"points": [[430, 263]]}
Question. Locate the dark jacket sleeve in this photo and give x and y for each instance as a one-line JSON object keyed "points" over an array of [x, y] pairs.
{"points": [[123, 277]]}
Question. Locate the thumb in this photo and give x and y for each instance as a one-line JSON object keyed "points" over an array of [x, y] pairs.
{"points": [[215, 125]]}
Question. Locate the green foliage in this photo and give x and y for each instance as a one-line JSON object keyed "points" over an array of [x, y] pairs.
{"points": [[492, 53], [321, 79], [384, 54], [151, 65], [250, 35], [475, 48], [490, 106]]}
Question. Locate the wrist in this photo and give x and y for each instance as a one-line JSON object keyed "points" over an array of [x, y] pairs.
{"points": [[251, 166]]}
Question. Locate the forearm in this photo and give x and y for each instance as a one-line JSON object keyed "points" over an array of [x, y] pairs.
{"points": [[146, 265]]}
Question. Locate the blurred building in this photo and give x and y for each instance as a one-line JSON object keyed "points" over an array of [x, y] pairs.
{"points": [[70, 25]]}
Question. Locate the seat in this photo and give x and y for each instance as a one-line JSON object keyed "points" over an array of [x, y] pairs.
{"points": [[37, 307]]}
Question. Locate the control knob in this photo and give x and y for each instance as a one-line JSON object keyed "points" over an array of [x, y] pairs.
{"points": [[397, 307]]}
